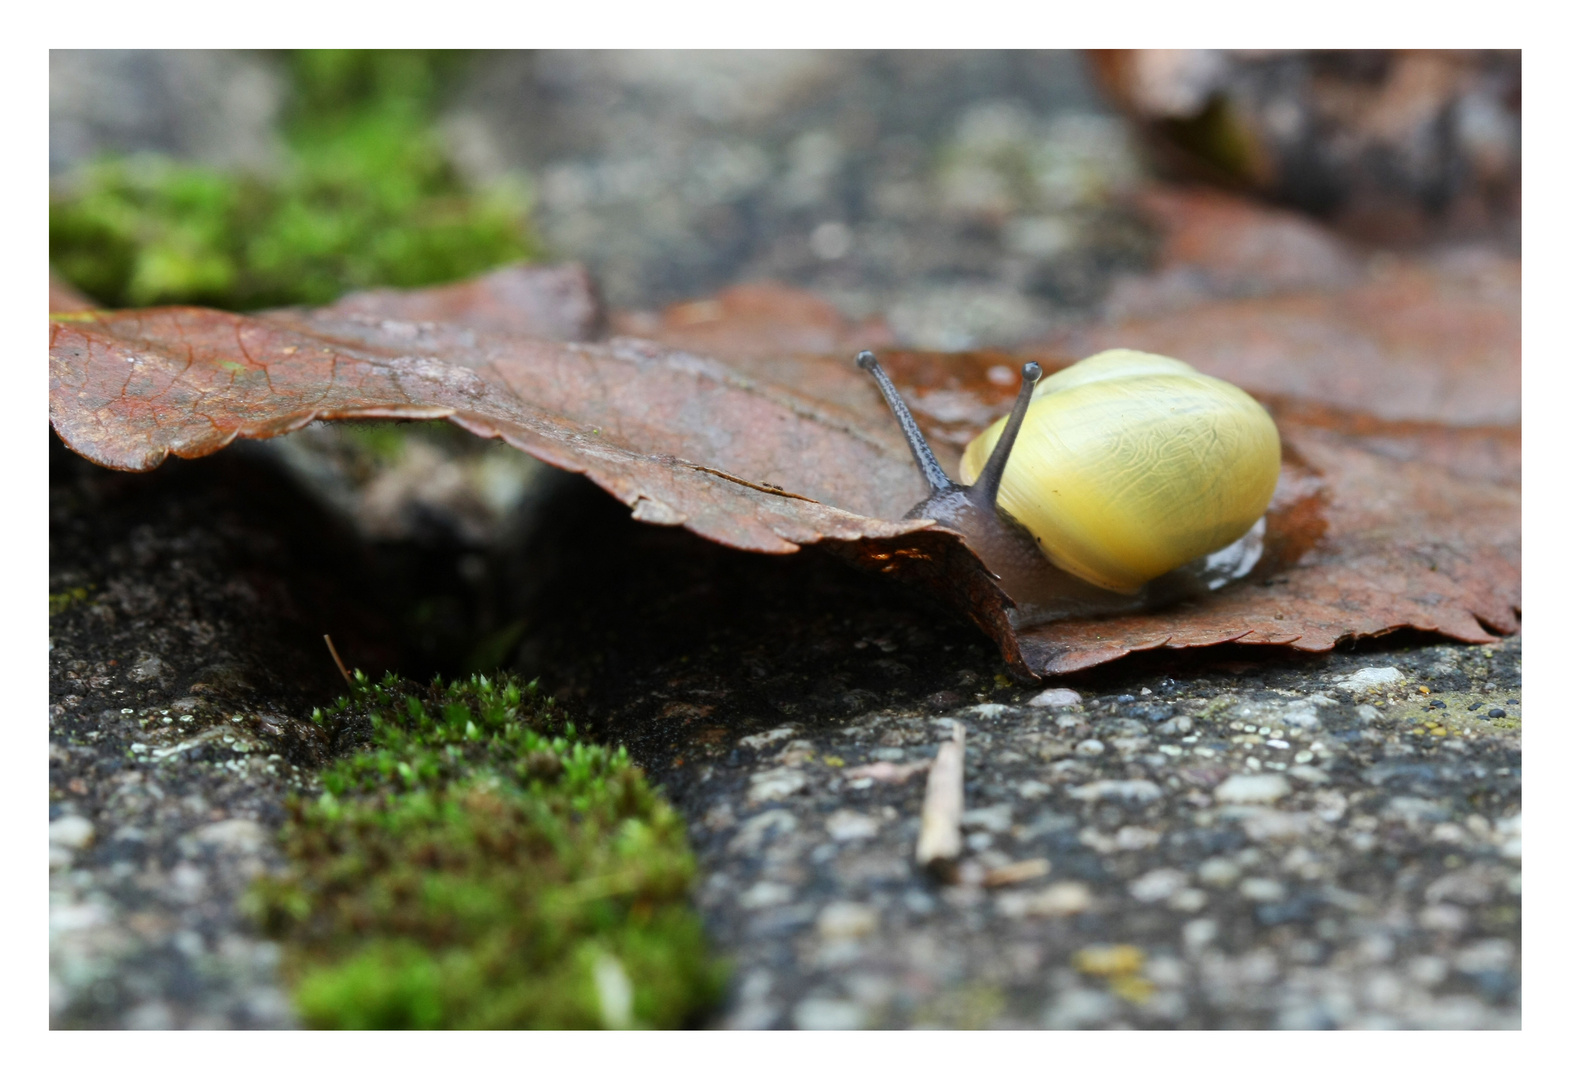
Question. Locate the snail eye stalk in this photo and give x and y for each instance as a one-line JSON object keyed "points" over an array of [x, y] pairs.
{"points": [[937, 480], [985, 489]]}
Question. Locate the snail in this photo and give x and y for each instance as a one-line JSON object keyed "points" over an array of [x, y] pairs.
{"points": [[1123, 482]]}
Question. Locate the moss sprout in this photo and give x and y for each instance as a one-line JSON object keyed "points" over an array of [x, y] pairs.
{"points": [[479, 866], [365, 195], [65, 600]]}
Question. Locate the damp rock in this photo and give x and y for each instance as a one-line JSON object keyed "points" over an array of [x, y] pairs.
{"points": [[1252, 788], [1370, 678], [1055, 698]]}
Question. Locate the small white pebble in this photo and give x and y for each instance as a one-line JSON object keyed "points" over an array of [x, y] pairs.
{"points": [[1057, 697], [846, 825], [765, 894], [1198, 933], [71, 831], [1252, 789], [818, 1014], [1139, 791], [1218, 872], [1261, 890], [1135, 838], [1089, 748], [988, 818], [1370, 678], [1489, 954], [1064, 898], [1427, 970], [843, 920], [1157, 885]]}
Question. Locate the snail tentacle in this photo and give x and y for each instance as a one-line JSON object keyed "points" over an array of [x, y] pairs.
{"points": [[937, 480], [986, 487]]}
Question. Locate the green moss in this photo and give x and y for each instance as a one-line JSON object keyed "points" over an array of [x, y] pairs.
{"points": [[478, 866], [334, 85], [383, 441], [63, 601], [968, 1007], [1445, 713], [1218, 136], [365, 196]]}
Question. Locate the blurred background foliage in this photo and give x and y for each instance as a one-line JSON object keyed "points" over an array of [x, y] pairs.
{"points": [[364, 194]]}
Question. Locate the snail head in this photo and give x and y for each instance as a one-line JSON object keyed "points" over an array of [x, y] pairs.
{"points": [[1005, 548]]}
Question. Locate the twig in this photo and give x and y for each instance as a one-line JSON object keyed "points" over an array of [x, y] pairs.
{"points": [[938, 844], [1016, 872], [338, 660]]}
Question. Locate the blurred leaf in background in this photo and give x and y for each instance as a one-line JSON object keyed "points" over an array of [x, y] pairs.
{"points": [[367, 195]]}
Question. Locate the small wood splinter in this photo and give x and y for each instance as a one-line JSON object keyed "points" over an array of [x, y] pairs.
{"points": [[938, 844], [338, 660]]}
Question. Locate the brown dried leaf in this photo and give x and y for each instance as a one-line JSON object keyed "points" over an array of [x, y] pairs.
{"points": [[680, 439], [1277, 304], [1376, 525], [1413, 343], [759, 321], [554, 303], [1359, 543]]}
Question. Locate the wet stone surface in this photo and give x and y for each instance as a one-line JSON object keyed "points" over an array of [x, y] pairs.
{"points": [[1264, 840], [185, 658], [1277, 853], [968, 198]]}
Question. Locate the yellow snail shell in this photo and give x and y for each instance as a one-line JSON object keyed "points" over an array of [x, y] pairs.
{"points": [[1129, 465]]}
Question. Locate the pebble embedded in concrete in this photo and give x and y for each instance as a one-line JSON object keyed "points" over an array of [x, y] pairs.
{"points": [[1370, 678], [1260, 788], [1055, 698]]}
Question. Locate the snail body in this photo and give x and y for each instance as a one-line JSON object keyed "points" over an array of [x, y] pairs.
{"points": [[1124, 481]]}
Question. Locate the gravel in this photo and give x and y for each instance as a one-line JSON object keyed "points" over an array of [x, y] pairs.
{"points": [[167, 779]]}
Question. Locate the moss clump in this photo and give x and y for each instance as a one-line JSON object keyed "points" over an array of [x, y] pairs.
{"points": [[477, 866], [365, 195], [61, 602], [1445, 713]]}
